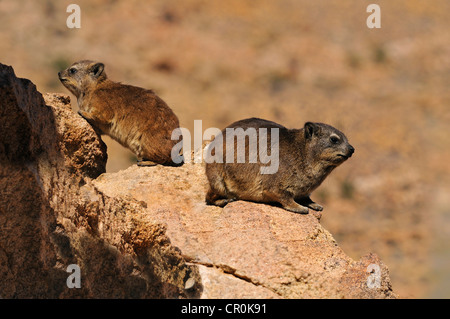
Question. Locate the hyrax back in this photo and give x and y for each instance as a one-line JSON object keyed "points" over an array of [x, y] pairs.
{"points": [[300, 160], [135, 117]]}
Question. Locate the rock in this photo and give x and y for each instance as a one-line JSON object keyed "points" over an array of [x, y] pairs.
{"points": [[145, 232], [245, 250]]}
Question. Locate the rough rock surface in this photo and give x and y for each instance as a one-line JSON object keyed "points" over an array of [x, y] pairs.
{"points": [[144, 232], [245, 249]]}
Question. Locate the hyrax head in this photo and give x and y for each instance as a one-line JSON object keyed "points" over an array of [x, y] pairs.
{"points": [[82, 75], [326, 144]]}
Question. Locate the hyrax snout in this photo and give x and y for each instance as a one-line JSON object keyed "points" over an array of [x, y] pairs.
{"points": [[279, 165], [135, 117]]}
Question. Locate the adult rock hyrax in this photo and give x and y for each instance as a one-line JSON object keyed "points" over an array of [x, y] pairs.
{"points": [[135, 117], [302, 159]]}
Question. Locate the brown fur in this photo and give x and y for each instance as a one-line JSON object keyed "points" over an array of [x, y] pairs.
{"points": [[135, 117], [306, 157]]}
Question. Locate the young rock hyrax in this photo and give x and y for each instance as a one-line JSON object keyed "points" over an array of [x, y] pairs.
{"points": [[300, 160], [135, 117]]}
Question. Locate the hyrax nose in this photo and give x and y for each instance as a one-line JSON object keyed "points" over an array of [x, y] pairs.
{"points": [[59, 73], [351, 150]]}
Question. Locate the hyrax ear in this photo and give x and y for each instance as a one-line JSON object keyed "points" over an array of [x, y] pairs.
{"points": [[311, 129], [96, 69]]}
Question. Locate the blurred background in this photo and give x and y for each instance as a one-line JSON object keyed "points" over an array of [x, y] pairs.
{"points": [[288, 61]]}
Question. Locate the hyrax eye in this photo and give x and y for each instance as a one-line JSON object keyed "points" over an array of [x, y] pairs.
{"points": [[334, 140], [72, 71]]}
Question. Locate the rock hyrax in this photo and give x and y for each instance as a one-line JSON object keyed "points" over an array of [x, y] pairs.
{"points": [[135, 117], [305, 158]]}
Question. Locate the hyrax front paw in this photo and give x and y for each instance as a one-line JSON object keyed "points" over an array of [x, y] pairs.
{"points": [[292, 206], [315, 207], [144, 163], [306, 201]]}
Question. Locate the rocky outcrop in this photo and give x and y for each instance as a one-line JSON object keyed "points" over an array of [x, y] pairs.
{"points": [[145, 232], [51, 216]]}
